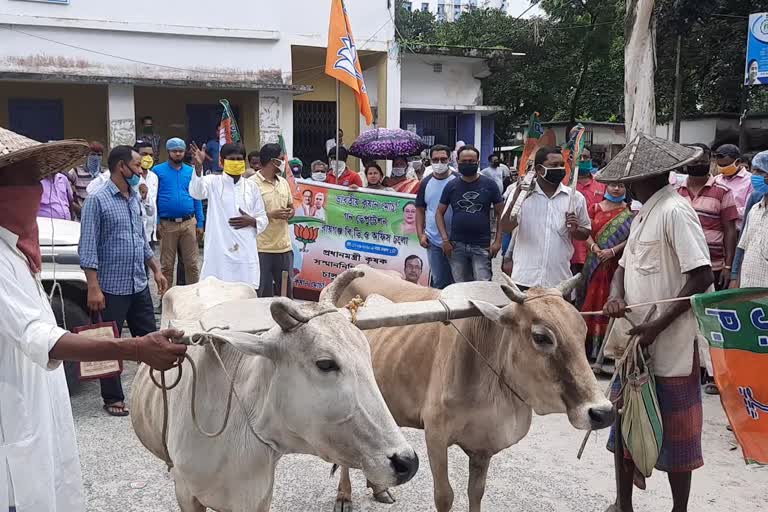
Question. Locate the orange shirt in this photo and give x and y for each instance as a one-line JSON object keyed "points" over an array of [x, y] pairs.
{"points": [[593, 192]]}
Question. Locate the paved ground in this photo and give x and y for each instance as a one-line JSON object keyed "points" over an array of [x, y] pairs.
{"points": [[541, 474]]}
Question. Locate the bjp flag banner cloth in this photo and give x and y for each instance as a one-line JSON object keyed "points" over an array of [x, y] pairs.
{"points": [[228, 131], [532, 136], [735, 323], [341, 61], [335, 229]]}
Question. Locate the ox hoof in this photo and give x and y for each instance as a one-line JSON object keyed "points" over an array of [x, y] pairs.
{"points": [[384, 496], [343, 505]]}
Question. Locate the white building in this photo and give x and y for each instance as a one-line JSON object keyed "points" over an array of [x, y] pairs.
{"points": [[91, 68], [450, 10]]}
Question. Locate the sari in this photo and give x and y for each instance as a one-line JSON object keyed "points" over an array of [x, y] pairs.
{"points": [[407, 186], [609, 229]]}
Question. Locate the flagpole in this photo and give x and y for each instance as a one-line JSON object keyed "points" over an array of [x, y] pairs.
{"points": [[338, 117]]}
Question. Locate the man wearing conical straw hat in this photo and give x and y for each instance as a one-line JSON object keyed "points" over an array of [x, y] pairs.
{"points": [[39, 464], [666, 256]]}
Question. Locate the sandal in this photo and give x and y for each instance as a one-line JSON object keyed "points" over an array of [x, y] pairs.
{"points": [[116, 409], [711, 389]]}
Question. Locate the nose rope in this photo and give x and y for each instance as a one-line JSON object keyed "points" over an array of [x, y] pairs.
{"points": [[209, 339], [476, 351]]}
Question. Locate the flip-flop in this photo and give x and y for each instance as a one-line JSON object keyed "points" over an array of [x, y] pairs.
{"points": [[116, 409], [711, 389]]}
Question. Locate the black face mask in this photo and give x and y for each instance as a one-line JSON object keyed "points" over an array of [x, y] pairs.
{"points": [[468, 169], [554, 175], [697, 170]]}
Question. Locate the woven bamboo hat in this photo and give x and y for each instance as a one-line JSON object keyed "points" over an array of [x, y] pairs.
{"points": [[47, 158], [646, 157]]}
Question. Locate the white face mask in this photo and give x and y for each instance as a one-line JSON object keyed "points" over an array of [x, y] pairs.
{"points": [[439, 168], [399, 172], [280, 164], [338, 167], [318, 176]]}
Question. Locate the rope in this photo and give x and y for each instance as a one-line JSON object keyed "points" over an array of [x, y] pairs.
{"points": [[641, 305], [193, 400], [476, 351]]}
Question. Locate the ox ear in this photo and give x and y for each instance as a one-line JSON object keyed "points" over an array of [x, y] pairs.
{"points": [[250, 344], [493, 313], [287, 314]]}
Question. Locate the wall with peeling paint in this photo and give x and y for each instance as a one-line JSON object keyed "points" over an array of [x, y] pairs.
{"points": [[455, 85]]}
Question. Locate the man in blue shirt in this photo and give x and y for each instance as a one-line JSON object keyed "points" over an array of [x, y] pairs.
{"points": [[760, 188], [427, 201], [468, 246], [115, 254], [181, 216]]}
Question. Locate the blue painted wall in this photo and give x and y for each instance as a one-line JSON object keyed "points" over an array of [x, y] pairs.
{"points": [[488, 132], [465, 128]]}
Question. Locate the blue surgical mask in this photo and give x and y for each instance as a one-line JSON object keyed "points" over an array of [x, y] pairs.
{"points": [[759, 184], [133, 181], [614, 199]]}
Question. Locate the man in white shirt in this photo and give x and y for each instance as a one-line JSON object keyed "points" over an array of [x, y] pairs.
{"points": [[39, 464], [666, 256], [541, 254], [497, 171], [236, 216], [148, 189]]}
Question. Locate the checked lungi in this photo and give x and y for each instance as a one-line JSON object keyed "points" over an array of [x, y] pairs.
{"points": [[682, 418]]}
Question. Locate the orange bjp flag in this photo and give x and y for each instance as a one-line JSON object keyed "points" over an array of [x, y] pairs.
{"points": [[341, 61]]}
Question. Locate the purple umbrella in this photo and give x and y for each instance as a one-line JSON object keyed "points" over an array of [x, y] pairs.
{"points": [[386, 144]]}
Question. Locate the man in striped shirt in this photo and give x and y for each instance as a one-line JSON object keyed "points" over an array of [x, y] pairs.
{"points": [[716, 207]]}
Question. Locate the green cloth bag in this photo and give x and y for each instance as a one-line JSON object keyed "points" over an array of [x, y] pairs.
{"points": [[641, 424]]}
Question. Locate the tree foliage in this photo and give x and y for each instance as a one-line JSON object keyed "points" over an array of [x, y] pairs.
{"points": [[574, 62]]}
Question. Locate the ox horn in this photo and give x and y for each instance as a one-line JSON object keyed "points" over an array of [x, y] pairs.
{"points": [[566, 287], [512, 291], [333, 292]]}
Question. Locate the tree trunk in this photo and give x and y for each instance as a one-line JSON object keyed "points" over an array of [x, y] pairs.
{"points": [[639, 69], [677, 107]]}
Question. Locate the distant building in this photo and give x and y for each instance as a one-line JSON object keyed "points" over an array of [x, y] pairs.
{"points": [[451, 10]]}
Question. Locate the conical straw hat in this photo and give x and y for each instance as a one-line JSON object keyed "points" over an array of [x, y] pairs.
{"points": [[48, 158], [646, 157]]}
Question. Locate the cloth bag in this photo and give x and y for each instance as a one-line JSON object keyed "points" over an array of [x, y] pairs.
{"points": [[99, 369], [641, 424]]}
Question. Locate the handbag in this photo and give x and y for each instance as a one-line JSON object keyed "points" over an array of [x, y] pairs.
{"points": [[90, 370], [641, 424]]}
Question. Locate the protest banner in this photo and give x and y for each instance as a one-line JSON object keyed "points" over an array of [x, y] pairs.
{"points": [[335, 229], [735, 323]]}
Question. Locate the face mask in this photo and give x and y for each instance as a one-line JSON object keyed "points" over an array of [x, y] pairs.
{"points": [[494, 165], [296, 171], [416, 164], [147, 130], [439, 168], [280, 164], [697, 170], [585, 168], [759, 184], [468, 169], [613, 199], [318, 176], [93, 165], [338, 167], [399, 172], [234, 167], [147, 162], [729, 170], [19, 207], [133, 181], [554, 175]]}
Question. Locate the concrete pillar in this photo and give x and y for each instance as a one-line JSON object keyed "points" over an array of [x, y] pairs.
{"points": [[478, 132], [121, 115], [276, 118], [393, 87]]}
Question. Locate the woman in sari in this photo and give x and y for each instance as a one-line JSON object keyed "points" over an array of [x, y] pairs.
{"points": [[611, 220], [399, 181]]}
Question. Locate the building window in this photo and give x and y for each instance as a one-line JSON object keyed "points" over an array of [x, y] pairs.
{"points": [[407, 6], [456, 11], [441, 11], [425, 6]]}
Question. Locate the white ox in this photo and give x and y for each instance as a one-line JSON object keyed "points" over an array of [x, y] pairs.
{"points": [[307, 385], [434, 379]]}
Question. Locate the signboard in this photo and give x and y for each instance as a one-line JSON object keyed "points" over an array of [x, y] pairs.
{"points": [[735, 323], [336, 229], [756, 72]]}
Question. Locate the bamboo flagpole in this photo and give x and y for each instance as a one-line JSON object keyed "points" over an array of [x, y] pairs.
{"points": [[338, 121]]}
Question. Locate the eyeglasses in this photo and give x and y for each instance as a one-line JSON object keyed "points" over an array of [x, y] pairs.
{"points": [[439, 160]]}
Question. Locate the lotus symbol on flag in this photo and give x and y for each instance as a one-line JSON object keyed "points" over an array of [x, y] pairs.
{"points": [[305, 235], [347, 58]]}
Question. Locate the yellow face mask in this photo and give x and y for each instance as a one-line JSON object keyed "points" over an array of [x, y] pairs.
{"points": [[234, 167], [729, 170], [147, 162]]}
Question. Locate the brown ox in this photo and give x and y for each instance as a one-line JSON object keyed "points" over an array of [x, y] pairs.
{"points": [[432, 379]]}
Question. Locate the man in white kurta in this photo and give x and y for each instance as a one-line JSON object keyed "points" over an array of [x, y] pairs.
{"points": [[236, 216], [39, 465]]}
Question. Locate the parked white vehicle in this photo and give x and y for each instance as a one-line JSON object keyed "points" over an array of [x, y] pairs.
{"points": [[58, 242]]}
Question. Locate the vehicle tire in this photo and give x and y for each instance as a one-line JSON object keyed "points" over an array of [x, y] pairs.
{"points": [[76, 316]]}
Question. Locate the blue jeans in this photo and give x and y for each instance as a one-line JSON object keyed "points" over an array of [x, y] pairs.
{"points": [[470, 263], [439, 267]]}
